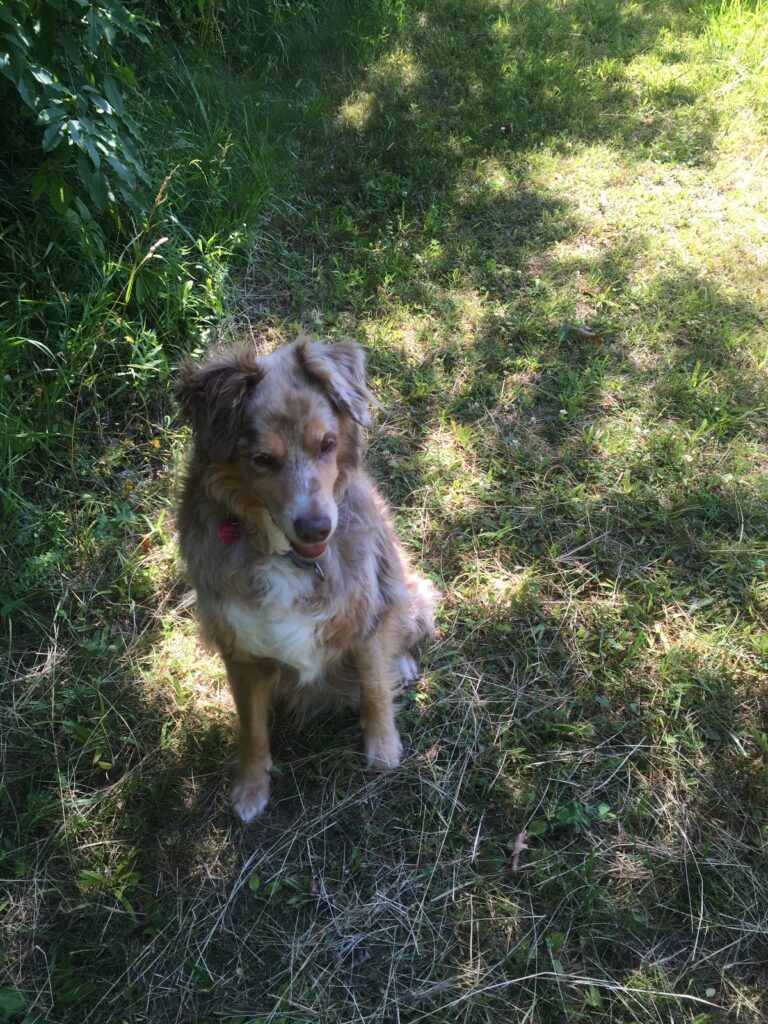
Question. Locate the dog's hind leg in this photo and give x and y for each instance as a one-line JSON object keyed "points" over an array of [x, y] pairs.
{"points": [[251, 685], [375, 658]]}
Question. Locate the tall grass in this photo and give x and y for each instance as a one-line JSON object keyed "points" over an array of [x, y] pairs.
{"points": [[737, 32], [95, 311]]}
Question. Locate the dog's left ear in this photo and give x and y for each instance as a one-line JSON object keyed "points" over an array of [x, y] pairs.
{"points": [[340, 370]]}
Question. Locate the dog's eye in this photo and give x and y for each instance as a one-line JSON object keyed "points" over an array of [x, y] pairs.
{"points": [[263, 461], [327, 444]]}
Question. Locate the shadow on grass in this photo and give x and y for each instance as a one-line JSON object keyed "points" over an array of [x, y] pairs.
{"points": [[533, 493], [415, 174], [383, 895]]}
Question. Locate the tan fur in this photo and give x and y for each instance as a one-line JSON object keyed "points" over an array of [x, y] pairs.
{"points": [[278, 444]]}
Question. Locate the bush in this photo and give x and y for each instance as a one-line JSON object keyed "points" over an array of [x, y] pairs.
{"points": [[64, 59]]}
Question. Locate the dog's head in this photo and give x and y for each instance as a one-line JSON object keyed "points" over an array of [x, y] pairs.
{"points": [[288, 425]]}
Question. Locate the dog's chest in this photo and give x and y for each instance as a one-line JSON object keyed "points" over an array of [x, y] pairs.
{"points": [[277, 624]]}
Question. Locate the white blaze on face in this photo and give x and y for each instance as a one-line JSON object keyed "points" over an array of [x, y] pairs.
{"points": [[307, 501]]}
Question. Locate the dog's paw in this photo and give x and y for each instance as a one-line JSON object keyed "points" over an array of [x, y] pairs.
{"points": [[408, 668], [384, 752], [250, 797]]}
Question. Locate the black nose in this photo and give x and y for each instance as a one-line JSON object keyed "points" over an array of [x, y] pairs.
{"points": [[313, 529]]}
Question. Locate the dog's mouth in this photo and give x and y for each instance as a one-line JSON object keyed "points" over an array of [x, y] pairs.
{"points": [[309, 550]]}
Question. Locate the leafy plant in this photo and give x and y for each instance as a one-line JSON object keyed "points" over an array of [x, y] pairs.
{"points": [[63, 58]]}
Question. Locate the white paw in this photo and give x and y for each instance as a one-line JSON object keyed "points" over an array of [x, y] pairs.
{"points": [[408, 668], [250, 797], [384, 752]]}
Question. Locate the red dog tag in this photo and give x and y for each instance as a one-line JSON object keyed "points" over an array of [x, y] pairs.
{"points": [[229, 530]]}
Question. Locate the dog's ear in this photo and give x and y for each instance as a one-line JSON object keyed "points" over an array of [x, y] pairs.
{"points": [[212, 396], [340, 370]]}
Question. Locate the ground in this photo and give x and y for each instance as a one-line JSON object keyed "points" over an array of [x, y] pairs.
{"points": [[546, 223]]}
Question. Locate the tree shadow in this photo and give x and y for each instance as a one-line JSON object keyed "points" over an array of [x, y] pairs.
{"points": [[426, 151], [505, 447], [418, 194], [664, 529]]}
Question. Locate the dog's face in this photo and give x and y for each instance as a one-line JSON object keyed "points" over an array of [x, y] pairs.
{"points": [[287, 429]]}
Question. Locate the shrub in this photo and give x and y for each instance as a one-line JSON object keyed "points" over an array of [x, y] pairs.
{"points": [[64, 58]]}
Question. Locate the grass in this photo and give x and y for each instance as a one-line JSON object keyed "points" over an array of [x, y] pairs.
{"points": [[546, 223]]}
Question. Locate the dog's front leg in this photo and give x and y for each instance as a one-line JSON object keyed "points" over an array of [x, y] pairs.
{"points": [[251, 685], [383, 747]]}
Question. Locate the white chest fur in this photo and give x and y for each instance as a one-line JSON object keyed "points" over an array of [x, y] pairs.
{"points": [[276, 626]]}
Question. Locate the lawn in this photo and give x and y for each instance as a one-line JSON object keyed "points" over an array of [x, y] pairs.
{"points": [[546, 221]]}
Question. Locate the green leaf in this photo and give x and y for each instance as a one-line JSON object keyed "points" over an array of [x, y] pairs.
{"points": [[27, 92], [125, 74], [17, 51], [58, 194], [98, 190], [52, 135], [89, 879], [51, 114], [11, 1003], [594, 998], [75, 134], [254, 883], [72, 990], [113, 94], [72, 50], [92, 151], [122, 171], [84, 170], [41, 75], [94, 32], [40, 180], [100, 103]]}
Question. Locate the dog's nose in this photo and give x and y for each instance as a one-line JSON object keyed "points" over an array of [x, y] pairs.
{"points": [[312, 529]]}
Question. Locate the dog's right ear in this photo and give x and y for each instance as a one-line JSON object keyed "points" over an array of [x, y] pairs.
{"points": [[211, 397]]}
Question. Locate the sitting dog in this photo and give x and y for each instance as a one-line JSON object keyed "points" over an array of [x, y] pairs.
{"points": [[301, 582]]}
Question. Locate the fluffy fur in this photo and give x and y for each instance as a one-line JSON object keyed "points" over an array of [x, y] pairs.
{"points": [[278, 452]]}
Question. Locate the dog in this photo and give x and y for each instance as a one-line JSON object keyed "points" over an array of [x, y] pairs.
{"points": [[301, 582]]}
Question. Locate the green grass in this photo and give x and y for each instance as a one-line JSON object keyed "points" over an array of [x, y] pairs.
{"points": [[546, 223]]}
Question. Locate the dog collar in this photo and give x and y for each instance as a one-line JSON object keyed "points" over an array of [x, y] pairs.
{"points": [[229, 531], [304, 563]]}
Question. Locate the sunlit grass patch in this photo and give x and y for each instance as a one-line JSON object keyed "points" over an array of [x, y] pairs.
{"points": [[395, 72], [546, 224], [737, 34], [647, 219], [179, 664], [356, 111], [491, 594]]}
